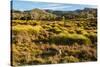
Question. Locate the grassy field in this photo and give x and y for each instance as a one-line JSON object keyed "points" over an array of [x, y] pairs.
{"points": [[51, 42]]}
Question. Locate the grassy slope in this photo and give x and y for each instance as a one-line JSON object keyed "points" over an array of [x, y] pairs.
{"points": [[46, 42]]}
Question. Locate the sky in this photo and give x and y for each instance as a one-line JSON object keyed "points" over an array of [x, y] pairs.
{"points": [[28, 5]]}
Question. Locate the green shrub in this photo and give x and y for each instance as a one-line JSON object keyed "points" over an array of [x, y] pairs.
{"points": [[81, 31], [36, 61], [35, 52], [57, 30], [70, 59], [87, 54], [22, 28], [70, 39], [47, 27], [34, 23], [71, 31], [28, 28], [92, 37]]}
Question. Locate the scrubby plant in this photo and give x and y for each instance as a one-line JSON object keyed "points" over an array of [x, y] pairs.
{"points": [[22, 28], [87, 54], [71, 31], [92, 37], [57, 30], [81, 39], [34, 23], [36, 61], [28, 28], [36, 52], [47, 27], [70, 59], [63, 38]]}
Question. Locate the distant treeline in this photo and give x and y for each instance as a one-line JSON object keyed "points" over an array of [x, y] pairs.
{"points": [[38, 14]]}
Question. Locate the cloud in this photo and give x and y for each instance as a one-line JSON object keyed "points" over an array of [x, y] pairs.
{"points": [[53, 5], [58, 7], [27, 5], [93, 6]]}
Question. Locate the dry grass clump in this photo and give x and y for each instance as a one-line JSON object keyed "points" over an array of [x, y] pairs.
{"points": [[70, 59], [28, 28], [63, 38]]}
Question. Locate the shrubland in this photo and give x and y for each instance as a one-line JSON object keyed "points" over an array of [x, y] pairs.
{"points": [[50, 40]]}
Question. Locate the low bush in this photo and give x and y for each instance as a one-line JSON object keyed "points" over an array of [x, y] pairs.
{"points": [[56, 30], [69, 39], [68, 59], [22, 28], [87, 54], [92, 37], [36, 61], [28, 28]]}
